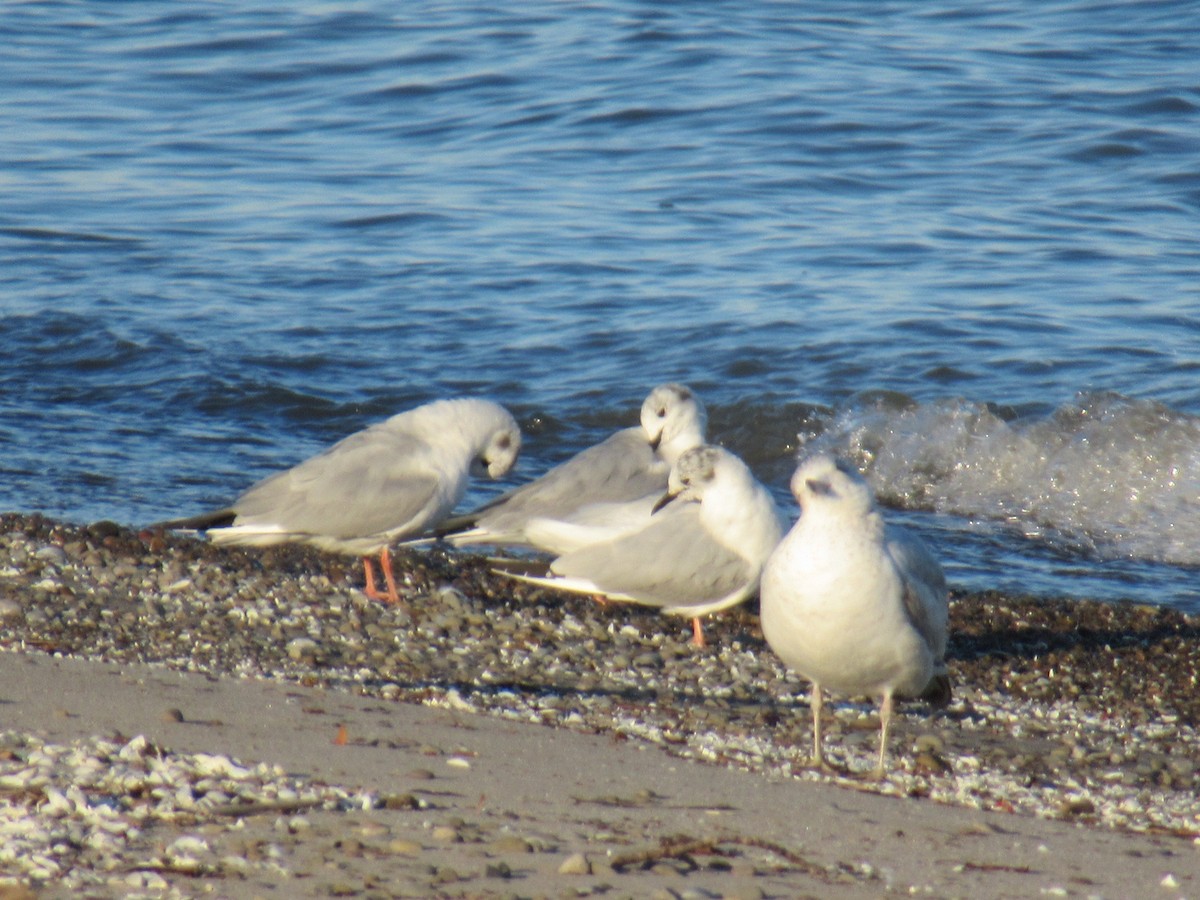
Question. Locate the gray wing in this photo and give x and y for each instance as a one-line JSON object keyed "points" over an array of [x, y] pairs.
{"points": [[673, 562], [925, 596], [623, 467], [368, 483]]}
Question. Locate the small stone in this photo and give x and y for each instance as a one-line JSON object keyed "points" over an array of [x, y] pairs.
{"points": [[575, 864], [1077, 806], [928, 761], [444, 834], [498, 870], [104, 529], [173, 715], [929, 743], [510, 844], [401, 801], [405, 847], [445, 875], [52, 554], [301, 648]]}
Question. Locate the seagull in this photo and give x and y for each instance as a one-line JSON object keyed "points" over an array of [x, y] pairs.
{"points": [[394, 479], [701, 551], [852, 604], [591, 523], [625, 474]]}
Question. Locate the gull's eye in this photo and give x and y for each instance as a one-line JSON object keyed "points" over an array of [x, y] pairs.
{"points": [[505, 442], [662, 412], [820, 487]]}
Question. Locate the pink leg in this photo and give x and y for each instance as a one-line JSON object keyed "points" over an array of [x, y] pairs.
{"points": [[697, 633], [385, 563], [370, 590], [391, 595]]}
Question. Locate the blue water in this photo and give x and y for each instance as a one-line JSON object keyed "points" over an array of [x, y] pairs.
{"points": [[955, 242]]}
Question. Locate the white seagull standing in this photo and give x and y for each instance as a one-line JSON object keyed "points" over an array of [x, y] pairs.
{"points": [[392, 480], [621, 476], [852, 604], [701, 551]]}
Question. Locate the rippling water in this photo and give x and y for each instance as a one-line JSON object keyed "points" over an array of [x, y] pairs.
{"points": [[956, 243]]}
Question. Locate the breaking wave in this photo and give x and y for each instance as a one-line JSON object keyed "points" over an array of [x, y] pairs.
{"points": [[1106, 476]]}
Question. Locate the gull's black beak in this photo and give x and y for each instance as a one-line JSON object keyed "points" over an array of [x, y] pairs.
{"points": [[657, 440], [663, 501]]}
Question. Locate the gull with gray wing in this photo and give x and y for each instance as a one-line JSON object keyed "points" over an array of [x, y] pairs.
{"points": [[852, 604], [623, 475], [701, 551], [392, 480]]}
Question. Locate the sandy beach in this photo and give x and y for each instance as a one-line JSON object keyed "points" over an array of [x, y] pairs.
{"points": [[277, 735]]}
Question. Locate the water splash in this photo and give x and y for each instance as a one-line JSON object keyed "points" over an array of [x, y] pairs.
{"points": [[1107, 476]]}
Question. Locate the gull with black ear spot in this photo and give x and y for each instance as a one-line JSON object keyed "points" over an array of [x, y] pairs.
{"points": [[602, 491], [384, 483], [853, 604], [701, 551]]}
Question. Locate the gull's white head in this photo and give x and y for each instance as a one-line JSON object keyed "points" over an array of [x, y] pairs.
{"points": [[674, 420], [696, 471], [487, 428], [502, 450], [823, 483]]}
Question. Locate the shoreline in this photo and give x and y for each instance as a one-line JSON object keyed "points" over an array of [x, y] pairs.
{"points": [[1071, 715]]}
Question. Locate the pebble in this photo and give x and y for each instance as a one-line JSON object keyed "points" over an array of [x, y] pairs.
{"points": [[52, 554], [575, 864], [405, 847], [301, 648], [510, 844]]}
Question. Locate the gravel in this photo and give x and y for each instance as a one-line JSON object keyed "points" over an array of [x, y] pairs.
{"points": [[1063, 709]]}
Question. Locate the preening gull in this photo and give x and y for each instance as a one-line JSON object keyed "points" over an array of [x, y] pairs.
{"points": [[701, 551], [852, 604], [392, 480], [621, 477]]}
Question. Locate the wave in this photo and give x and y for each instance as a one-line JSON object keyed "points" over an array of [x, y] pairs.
{"points": [[1106, 476]]}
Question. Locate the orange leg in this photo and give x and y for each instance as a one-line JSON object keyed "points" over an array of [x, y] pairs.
{"points": [[697, 633], [385, 563], [370, 589], [391, 595]]}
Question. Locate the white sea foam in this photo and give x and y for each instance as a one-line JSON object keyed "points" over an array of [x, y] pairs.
{"points": [[1106, 475]]}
